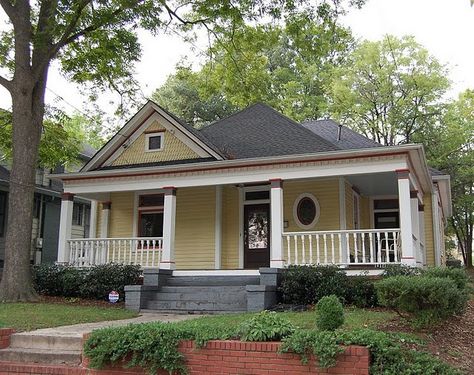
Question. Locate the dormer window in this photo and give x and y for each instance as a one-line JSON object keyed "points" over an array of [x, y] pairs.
{"points": [[154, 141]]}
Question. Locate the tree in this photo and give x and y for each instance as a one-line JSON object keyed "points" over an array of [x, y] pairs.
{"points": [[389, 90], [95, 42], [450, 148], [284, 66]]}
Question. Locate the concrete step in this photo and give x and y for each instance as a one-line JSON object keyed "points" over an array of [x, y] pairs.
{"points": [[56, 357], [202, 289], [27, 340], [196, 306], [213, 280]]}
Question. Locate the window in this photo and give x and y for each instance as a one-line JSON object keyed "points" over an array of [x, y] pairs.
{"points": [[306, 211], [150, 215], [257, 195], [77, 214], [154, 142], [3, 212]]}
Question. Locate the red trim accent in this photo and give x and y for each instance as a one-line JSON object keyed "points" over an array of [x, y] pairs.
{"points": [[67, 196], [263, 164], [169, 190], [276, 182]]}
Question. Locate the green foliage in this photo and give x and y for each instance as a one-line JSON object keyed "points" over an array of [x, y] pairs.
{"points": [[426, 299], [265, 326], [458, 275], [150, 346], [391, 354], [93, 283], [286, 67], [400, 270], [389, 90], [323, 344], [361, 292], [308, 284], [330, 313], [60, 142]]}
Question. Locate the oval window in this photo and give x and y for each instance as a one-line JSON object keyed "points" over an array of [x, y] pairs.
{"points": [[306, 211]]}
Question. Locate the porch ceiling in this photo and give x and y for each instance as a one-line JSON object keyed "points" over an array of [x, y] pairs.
{"points": [[375, 184]]}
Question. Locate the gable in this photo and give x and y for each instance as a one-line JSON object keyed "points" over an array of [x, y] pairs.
{"points": [[173, 148]]}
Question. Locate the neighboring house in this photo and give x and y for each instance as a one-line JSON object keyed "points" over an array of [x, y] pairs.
{"points": [[255, 189], [46, 212]]}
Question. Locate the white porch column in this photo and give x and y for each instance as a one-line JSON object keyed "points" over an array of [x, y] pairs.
{"points": [[342, 217], [169, 221], [408, 252], [65, 227], [93, 219], [218, 229], [104, 226], [415, 226], [276, 224]]}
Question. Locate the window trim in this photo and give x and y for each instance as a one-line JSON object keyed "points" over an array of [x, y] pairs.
{"points": [[160, 134], [295, 211], [147, 209]]}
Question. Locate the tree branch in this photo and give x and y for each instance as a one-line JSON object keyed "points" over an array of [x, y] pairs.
{"points": [[6, 83]]}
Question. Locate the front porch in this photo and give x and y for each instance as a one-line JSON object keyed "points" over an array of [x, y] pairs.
{"points": [[350, 221]]}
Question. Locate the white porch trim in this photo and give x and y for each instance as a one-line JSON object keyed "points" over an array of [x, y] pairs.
{"points": [[65, 227], [169, 226], [104, 226], [93, 218], [408, 253], [216, 273], [276, 224]]}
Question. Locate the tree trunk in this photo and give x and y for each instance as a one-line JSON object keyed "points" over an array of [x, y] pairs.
{"points": [[28, 111]]}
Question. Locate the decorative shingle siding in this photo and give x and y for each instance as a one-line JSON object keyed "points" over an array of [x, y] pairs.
{"points": [[173, 149]]}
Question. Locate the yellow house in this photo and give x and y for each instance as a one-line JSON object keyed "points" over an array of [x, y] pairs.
{"points": [[251, 191]]}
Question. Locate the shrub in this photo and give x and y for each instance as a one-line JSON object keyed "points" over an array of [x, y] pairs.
{"points": [[400, 270], [361, 292], [425, 299], [458, 275], [100, 280], [304, 285], [265, 326], [330, 313], [93, 283]]}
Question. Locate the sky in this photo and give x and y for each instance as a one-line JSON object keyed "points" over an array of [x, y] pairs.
{"points": [[444, 27]]}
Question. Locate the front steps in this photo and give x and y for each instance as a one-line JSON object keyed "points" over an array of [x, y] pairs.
{"points": [[202, 294], [49, 349]]}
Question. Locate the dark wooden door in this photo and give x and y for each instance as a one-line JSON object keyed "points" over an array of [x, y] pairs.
{"points": [[386, 220], [256, 236]]}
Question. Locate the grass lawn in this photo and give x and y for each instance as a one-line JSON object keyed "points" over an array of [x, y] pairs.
{"points": [[354, 318], [30, 316]]}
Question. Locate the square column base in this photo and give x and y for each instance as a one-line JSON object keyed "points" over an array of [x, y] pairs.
{"points": [[167, 266]]}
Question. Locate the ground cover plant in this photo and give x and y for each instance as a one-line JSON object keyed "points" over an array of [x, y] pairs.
{"points": [[30, 316], [154, 345]]}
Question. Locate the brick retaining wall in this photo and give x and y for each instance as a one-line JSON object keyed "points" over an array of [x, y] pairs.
{"points": [[219, 357]]}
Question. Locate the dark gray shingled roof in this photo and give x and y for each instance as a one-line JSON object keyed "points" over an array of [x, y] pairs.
{"points": [[328, 129], [260, 131]]}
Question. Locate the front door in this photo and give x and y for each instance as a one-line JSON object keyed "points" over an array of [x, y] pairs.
{"points": [[256, 236]]}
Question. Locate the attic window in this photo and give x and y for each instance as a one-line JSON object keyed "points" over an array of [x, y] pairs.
{"points": [[154, 141]]}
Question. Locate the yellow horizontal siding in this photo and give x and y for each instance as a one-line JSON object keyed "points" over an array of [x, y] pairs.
{"points": [[195, 228], [429, 236], [173, 149], [327, 194], [121, 214], [230, 227], [77, 231], [365, 213], [349, 206], [98, 229]]}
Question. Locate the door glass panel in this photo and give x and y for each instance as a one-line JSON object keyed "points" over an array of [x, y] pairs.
{"points": [[258, 230], [151, 224]]}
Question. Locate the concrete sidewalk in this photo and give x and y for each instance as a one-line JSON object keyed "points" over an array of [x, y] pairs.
{"points": [[77, 330]]}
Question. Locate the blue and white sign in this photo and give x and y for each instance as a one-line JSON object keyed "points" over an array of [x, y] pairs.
{"points": [[113, 296]]}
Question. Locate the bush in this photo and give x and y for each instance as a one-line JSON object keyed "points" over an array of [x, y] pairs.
{"points": [[361, 292], [305, 285], [93, 283], [100, 280], [265, 326], [400, 270], [425, 299], [458, 275], [330, 313]]}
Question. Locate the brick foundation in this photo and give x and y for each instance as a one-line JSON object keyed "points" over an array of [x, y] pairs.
{"points": [[217, 357]]}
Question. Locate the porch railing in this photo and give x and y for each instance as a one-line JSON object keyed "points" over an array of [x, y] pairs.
{"points": [[145, 251], [343, 247]]}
